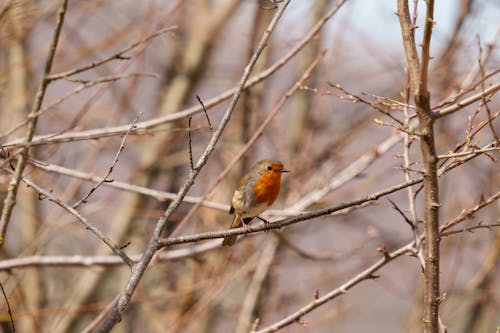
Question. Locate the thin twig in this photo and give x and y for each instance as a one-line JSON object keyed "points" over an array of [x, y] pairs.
{"points": [[461, 104], [118, 55], [190, 142], [467, 153], [205, 111], [110, 170], [485, 100], [9, 310], [466, 213], [405, 218], [356, 98]]}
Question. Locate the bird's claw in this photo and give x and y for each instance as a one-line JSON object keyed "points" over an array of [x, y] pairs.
{"points": [[266, 222]]}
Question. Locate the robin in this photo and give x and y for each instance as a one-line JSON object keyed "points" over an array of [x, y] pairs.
{"points": [[255, 192]]}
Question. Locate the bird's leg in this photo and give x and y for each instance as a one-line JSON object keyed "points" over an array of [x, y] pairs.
{"points": [[266, 222], [243, 223]]}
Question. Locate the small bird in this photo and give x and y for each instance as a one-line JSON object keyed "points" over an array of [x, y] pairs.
{"points": [[255, 192]]}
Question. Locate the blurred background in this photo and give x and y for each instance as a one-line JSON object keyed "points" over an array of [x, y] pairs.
{"points": [[321, 133]]}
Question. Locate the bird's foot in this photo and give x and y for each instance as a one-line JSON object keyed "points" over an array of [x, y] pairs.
{"points": [[266, 222]]}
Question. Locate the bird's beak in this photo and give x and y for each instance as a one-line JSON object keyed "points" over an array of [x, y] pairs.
{"points": [[284, 170]]}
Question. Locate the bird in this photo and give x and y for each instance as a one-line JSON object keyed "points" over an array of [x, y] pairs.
{"points": [[256, 191]]}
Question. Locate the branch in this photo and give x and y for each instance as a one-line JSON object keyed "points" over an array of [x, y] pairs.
{"points": [[469, 212], [109, 260], [157, 194], [341, 290], [419, 88], [367, 274], [425, 55], [10, 199], [285, 222], [44, 194], [408, 32], [460, 105], [254, 288], [9, 310]]}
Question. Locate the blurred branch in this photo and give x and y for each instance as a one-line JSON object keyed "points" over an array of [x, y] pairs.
{"points": [[480, 285], [9, 310], [140, 267], [7, 5], [467, 213], [261, 272], [157, 194], [143, 126], [84, 85], [116, 56], [461, 104], [107, 260], [10, 199], [407, 164]]}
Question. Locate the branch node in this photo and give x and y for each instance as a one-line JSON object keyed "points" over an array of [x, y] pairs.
{"points": [[441, 298], [383, 249], [121, 247], [302, 322]]}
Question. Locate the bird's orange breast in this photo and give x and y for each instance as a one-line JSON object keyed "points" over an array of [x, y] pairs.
{"points": [[267, 188]]}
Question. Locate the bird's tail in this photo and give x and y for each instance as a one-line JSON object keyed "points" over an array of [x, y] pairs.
{"points": [[230, 240]]}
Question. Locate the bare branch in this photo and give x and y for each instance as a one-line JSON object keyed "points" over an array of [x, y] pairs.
{"points": [[116, 56], [10, 199], [460, 105], [109, 260], [206, 113], [366, 274], [48, 195], [9, 310]]}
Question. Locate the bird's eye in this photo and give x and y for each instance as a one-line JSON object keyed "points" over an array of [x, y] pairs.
{"points": [[270, 168]]}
